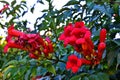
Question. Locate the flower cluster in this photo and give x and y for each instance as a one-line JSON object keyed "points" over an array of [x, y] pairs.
{"points": [[4, 8], [79, 37], [33, 43]]}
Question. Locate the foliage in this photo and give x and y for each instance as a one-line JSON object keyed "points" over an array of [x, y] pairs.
{"points": [[16, 65]]}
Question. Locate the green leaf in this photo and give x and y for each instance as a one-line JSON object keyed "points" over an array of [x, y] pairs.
{"points": [[34, 71], [24, 5], [93, 77], [110, 57], [89, 1], [23, 61], [113, 32], [63, 9], [22, 70], [85, 78], [13, 3], [61, 65], [118, 60], [7, 71], [27, 75], [72, 2], [40, 1], [24, 13], [3, 1], [102, 76], [23, 1], [103, 9], [51, 68], [12, 62], [41, 71], [78, 77], [32, 9], [17, 8], [14, 72], [117, 41], [116, 8]]}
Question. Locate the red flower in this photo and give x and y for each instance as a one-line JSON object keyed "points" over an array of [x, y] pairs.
{"points": [[66, 34], [102, 35], [12, 44], [79, 37], [33, 43], [31, 55], [62, 36], [80, 41], [6, 47], [73, 63], [78, 48], [101, 48], [13, 32], [83, 43], [79, 24], [76, 31], [48, 47], [72, 40], [85, 61], [79, 32], [87, 35], [4, 8], [8, 38], [68, 29]]}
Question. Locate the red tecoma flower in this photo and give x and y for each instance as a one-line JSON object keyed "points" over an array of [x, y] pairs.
{"points": [[101, 48], [33, 43], [4, 8], [31, 55], [13, 32], [102, 35], [79, 24], [74, 63], [12, 44], [48, 46], [67, 32]]}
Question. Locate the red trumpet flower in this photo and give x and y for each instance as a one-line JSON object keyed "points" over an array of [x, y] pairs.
{"points": [[4, 8], [33, 43], [79, 37], [12, 44], [74, 63], [102, 35]]}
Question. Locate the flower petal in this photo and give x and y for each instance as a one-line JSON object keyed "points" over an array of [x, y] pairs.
{"points": [[75, 69], [80, 41], [73, 57], [68, 65], [79, 24]]}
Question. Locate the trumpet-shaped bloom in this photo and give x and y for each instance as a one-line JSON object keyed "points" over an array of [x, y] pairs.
{"points": [[101, 48], [102, 35], [33, 43], [4, 8], [73, 63], [12, 44], [13, 32], [79, 37], [79, 24]]}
